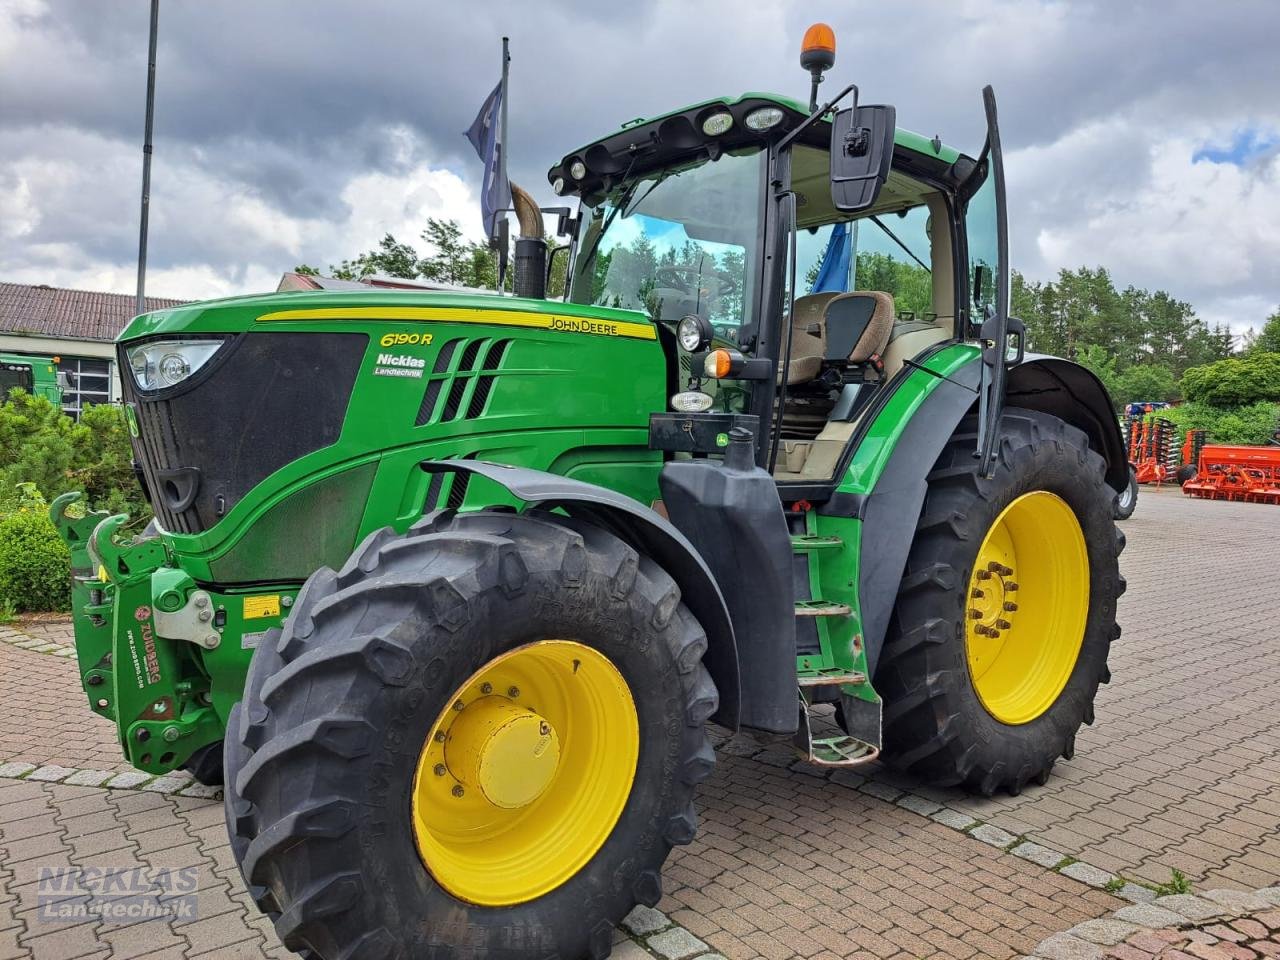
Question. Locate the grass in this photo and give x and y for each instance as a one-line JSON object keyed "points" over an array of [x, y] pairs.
{"points": [[8, 612], [1178, 883]]}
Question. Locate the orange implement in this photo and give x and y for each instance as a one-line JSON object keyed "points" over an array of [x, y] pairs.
{"points": [[1237, 473]]}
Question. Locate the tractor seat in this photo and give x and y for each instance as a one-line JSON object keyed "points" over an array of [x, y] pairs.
{"points": [[836, 337]]}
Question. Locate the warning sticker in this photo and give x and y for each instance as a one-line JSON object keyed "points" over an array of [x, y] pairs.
{"points": [[257, 607]]}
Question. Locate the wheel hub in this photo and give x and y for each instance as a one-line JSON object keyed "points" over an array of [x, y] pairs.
{"points": [[507, 752]]}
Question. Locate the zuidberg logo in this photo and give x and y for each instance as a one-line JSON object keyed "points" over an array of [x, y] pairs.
{"points": [[399, 365]]}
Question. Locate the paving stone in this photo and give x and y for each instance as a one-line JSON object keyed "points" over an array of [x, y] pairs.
{"points": [[630, 950], [918, 805], [203, 790], [1269, 894], [1037, 854], [882, 790], [50, 774], [676, 944], [1192, 907], [1237, 901], [89, 778], [169, 784], [1149, 915], [15, 769], [129, 780], [992, 835], [643, 921], [1136, 893], [953, 818], [1063, 946], [848, 778], [1087, 873], [1107, 930]]}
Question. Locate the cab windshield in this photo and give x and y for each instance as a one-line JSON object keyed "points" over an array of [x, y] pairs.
{"points": [[676, 242]]}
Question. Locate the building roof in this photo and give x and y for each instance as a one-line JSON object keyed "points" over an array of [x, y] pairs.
{"points": [[41, 310]]}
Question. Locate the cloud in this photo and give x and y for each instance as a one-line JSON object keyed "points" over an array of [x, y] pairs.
{"points": [[1139, 135]]}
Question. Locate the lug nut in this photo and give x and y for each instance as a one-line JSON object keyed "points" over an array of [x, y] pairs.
{"points": [[1006, 571], [1010, 586], [977, 594], [439, 769], [486, 688], [513, 691], [440, 735], [975, 614], [1010, 606], [544, 728], [457, 790], [980, 630], [994, 566], [1003, 624], [458, 705], [984, 574]]}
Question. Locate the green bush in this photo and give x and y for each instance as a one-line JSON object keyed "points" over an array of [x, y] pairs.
{"points": [[1252, 424], [40, 445], [34, 563], [1236, 381]]}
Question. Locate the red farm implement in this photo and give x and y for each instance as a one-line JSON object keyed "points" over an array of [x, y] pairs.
{"points": [[1236, 473], [1150, 442]]}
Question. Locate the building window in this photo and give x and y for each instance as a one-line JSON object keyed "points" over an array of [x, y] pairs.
{"points": [[89, 381]]}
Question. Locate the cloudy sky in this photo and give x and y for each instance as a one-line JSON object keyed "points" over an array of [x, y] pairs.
{"points": [[1143, 136]]}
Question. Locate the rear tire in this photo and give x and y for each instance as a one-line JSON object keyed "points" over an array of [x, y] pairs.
{"points": [[1127, 499], [322, 799], [1186, 472], [936, 724]]}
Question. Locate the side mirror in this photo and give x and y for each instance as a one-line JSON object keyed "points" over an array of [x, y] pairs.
{"points": [[551, 265], [861, 153]]}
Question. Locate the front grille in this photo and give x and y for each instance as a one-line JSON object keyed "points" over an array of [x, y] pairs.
{"points": [[266, 400], [465, 389]]}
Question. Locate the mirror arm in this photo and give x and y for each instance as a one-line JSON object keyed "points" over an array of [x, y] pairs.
{"points": [[818, 114]]}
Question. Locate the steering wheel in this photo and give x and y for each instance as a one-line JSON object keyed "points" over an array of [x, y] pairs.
{"points": [[689, 280]]}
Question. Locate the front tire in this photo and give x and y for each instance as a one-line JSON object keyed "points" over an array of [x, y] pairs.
{"points": [[1127, 499], [343, 818], [982, 689]]}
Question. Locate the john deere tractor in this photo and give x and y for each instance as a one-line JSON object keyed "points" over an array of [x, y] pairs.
{"points": [[451, 586]]}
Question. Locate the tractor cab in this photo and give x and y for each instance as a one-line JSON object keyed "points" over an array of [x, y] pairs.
{"points": [[728, 223]]}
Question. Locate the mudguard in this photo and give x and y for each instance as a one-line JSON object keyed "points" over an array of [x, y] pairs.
{"points": [[1072, 393], [649, 533], [892, 510]]}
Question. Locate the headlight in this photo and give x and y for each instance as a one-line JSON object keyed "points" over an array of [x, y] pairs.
{"points": [[166, 363], [691, 401], [694, 333], [717, 123], [557, 186], [763, 119], [577, 169]]}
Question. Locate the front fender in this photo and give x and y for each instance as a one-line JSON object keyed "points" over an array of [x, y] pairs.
{"points": [[649, 533]]}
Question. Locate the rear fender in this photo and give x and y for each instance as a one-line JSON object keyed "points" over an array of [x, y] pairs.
{"points": [[649, 533], [1072, 393]]}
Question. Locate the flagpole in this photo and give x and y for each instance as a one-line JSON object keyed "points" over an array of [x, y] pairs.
{"points": [[146, 162], [502, 152]]}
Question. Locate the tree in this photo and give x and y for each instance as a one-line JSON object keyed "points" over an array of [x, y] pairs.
{"points": [[1268, 339]]}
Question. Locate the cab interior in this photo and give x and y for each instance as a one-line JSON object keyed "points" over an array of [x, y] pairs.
{"points": [[845, 345]]}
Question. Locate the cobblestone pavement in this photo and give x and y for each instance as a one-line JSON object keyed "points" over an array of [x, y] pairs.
{"points": [[1178, 772]]}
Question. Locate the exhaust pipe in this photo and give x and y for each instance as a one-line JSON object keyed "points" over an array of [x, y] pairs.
{"points": [[531, 250]]}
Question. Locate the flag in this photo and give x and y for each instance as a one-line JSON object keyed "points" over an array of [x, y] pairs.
{"points": [[833, 272], [486, 137]]}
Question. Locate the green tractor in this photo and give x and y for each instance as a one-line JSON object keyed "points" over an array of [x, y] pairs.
{"points": [[38, 376], [452, 586]]}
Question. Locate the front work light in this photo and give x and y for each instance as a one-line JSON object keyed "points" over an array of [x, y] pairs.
{"points": [[717, 123], [166, 363], [694, 333], [577, 169], [691, 401], [763, 119]]}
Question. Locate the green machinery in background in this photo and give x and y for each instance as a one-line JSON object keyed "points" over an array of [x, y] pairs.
{"points": [[449, 587], [38, 376]]}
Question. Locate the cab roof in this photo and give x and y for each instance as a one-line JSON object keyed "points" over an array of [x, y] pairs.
{"points": [[653, 143]]}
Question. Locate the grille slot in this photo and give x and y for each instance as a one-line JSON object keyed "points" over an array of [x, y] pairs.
{"points": [[428, 405], [481, 360]]}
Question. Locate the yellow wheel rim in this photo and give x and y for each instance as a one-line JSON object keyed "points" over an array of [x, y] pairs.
{"points": [[525, 772], [1026, 608]]}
